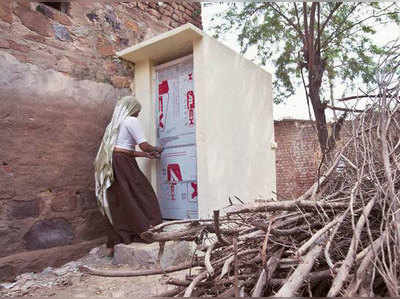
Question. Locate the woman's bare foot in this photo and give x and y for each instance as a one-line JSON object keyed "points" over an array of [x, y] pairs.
{"points": [[109, 252], [144, 238]]}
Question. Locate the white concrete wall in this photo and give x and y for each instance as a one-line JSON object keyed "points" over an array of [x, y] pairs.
{"points": [[144, 93], [234, 127]]}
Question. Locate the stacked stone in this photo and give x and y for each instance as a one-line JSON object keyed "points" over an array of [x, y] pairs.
{"points": [[82, 41], [58, 85]]}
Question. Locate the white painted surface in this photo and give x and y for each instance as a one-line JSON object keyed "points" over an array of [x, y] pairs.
{"points": [[164, 47], [143, 91], [234, 128]]}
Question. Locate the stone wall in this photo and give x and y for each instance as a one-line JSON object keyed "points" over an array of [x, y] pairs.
{"points": [[297, 157], [82, 41], [58, 85]]}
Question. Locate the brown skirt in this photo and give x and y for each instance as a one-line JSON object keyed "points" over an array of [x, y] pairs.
{"points": [[133, 204]]}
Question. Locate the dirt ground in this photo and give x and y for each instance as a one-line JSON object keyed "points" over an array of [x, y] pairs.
{"points": [[68, 282]]}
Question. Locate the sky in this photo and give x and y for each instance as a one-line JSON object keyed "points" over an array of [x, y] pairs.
{"points": [[295, 107]]}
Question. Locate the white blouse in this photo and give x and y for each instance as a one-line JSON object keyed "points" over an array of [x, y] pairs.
{"points": [[130, 134]]}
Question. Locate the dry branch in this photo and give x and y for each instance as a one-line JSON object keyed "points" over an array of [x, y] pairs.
{"points": [[132, 273]]}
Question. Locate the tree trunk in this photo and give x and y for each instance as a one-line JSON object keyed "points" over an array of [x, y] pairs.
{"points": [[315, 72], [320, 119]]}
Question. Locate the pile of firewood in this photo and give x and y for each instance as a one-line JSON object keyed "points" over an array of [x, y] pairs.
{"points": [[340, 238]]}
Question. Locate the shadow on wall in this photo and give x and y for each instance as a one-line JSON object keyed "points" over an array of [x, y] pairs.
{"points": [[50, 128]]}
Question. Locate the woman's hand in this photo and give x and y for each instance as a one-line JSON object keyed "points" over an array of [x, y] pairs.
{"points": [[146, 147], [159, 149], [148, 155], [153, 155], [156, 155]]}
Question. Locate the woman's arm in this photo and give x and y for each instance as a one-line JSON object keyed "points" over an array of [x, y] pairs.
{"points": [[139, 154], [146, 147]]}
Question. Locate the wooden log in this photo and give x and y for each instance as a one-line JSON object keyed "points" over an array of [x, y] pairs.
{"points": [[132, 273], [193, 284], [313, 277], [207, 259], [291, 205], [295, 281], [303, 249], [236, 270], [365, 267], [259, 287], [226, 267], [170, 293], [272, 265], [350, 257], [190, 233], [221, 239]]}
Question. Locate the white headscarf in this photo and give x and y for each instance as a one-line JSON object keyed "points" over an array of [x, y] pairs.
{"points": [[104, 176]]}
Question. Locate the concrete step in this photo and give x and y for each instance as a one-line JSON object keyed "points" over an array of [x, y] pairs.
{"points": [[144, 256]]}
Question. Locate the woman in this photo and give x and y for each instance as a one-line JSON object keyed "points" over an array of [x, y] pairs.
{"points": [[124, 194]]}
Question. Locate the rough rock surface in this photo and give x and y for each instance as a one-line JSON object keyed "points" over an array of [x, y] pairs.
{"points": [[140, 255], [49, 233], [67, 281], [50, 127], [59, 81], [88, 34]]}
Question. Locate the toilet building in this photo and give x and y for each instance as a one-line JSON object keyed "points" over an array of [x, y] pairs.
{"points": [[211, 110]]}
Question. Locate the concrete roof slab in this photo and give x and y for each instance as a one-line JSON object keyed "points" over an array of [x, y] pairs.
{"points": [[164, 47]]}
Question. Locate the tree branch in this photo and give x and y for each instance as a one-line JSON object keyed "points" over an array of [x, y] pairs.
{"points": [[343, 109], [340, 25], [332, 36], [296, 27], [297, 13], [359, 97], [328, 18]]}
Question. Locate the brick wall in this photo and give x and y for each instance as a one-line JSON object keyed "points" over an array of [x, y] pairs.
{"points": [[297, 157], [58, 85]]}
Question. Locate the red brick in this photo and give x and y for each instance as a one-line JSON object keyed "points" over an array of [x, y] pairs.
{"points": [[178, 18], [187, 5], [153, 5], [296, 162], [154, 12], [141, 5], [110, 67], [188, 12], [166, 12], [174, 24], [166, 20], [168, 7], [132, 25]]}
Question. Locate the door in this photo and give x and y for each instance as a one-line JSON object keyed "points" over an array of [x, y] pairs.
{"points": [[175, 116]]}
